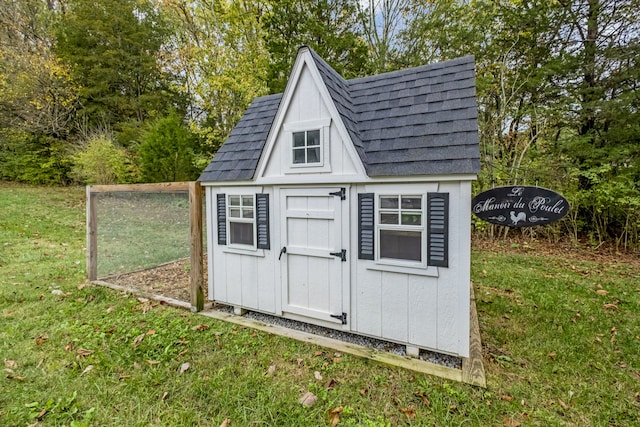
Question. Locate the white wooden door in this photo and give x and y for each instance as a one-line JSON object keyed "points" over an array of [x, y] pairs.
{"points": [[312, 266]]}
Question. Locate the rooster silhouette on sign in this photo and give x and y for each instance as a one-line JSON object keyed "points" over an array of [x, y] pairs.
{"points": [[517, 218]]}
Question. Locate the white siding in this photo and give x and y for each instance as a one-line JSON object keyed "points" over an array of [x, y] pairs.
{"points": [[429, 309], [236, 277], [307, 109]]}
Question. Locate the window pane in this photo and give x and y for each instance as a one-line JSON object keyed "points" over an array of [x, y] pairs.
{"points": [[411, 219], [298, 155], [234, 200], [388, 218], [313, 155], [403, 245], [241, 233], [234, 213], [389, 202], [411, 202], [247, 200], [247, 213], [313, 138], [298, 139]]}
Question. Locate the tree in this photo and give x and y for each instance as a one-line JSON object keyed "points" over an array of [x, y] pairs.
{"points": [[112, 48], [37, 97], [330, 27], [218, 50], [168, 151]]}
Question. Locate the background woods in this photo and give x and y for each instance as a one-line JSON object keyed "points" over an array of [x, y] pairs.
{"points": [[143, 83]]}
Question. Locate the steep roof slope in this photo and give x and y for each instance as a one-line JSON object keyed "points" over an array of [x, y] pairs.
{"points": [[418, 121]]}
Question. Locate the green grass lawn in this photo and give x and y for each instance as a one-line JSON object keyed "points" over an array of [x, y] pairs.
{"points": [[560, 331]]}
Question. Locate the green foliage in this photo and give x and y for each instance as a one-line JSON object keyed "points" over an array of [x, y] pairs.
{"points": [[168, 151], [101, 161], [112, 48], [330, 27], [33, 159]]}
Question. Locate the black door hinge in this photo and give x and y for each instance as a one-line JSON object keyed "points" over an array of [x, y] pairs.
{"points": [[342, 193], [341, 317], [342, 255]]}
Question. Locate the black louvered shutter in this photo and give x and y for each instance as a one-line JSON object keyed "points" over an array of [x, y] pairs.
{"points": [[366, 229], [222, 219], [438, 229], [262, 218]]}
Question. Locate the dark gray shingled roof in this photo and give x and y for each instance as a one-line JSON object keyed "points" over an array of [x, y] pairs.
{"points": [[418, 121]]}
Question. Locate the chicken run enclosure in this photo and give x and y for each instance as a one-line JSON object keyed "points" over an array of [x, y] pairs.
{"points": [[148, 238]]}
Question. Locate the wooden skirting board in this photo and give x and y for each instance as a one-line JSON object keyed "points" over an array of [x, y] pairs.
{"points": [[472, 371]]}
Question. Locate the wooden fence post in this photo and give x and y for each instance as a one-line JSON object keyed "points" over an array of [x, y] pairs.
{"points": [[195, 211], [92, 236]]}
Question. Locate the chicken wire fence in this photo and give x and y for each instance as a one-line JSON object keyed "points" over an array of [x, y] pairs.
{"points": [[142, 236]]}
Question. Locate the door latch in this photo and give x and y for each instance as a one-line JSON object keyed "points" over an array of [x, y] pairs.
{"points": [[282, 251], [341, 317], [342, 255]]}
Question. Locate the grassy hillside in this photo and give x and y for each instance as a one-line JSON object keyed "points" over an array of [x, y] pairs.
{"points": [[560, 330]]}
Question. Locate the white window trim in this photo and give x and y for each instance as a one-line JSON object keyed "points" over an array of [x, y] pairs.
{"points": [[304, 148], [253, 221], [323, 125], [422, 264]]}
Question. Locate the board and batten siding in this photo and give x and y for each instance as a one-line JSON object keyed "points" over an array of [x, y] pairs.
{"points": [[243, 278], [308, 111], [428, 307]]}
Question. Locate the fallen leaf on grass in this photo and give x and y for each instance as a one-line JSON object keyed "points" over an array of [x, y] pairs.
{"points": [[271, 370], [11, 364], [317, 376], [363, 392], [510, 422], [200, 327], [602, 292], [87, 369], [41, 415], [610, 306], [226, 422], [143, 300], [151, 362], [551, 355], [57, 292], [41, 340], [564, 405], [164, 395], [507, 397], [334, 416], [309, 399], [329, 384], [84, 352], [184, 367], [124, 377], [138, 340], [423, 397], [409, 412], [16, 377]]}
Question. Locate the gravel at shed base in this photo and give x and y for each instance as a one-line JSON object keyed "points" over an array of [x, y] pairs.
{"points": [[374, 343]]}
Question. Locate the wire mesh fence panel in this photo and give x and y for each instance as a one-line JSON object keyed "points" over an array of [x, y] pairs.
{"points": [[138, 230]]}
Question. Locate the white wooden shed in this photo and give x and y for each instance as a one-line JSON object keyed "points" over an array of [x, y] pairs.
{"points": [[346, 203]]}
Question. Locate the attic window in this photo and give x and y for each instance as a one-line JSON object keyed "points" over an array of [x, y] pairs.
{"points": [[307, 148]]}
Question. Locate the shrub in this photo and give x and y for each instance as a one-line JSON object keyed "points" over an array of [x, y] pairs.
{"points": [[101, 162], [168, 151]]}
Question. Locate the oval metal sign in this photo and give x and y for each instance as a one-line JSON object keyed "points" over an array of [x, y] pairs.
{"points": [[520, 206]]}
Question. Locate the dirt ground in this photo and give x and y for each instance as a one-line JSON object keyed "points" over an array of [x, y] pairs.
{"points": [[169, 280]]}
